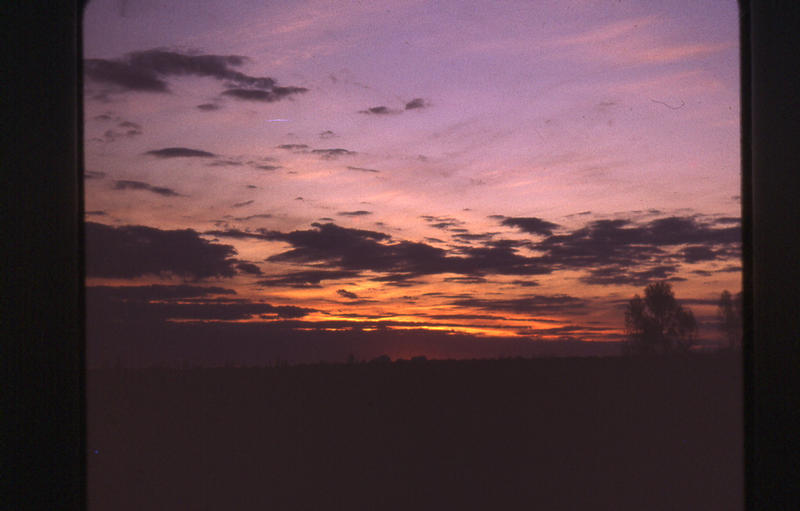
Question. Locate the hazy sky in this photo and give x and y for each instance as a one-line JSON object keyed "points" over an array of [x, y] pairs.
{"points": [[499, 169]]}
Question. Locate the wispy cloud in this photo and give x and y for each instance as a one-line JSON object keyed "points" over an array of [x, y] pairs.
{"points": [[93, 174], [608, 32], [634, 41]]}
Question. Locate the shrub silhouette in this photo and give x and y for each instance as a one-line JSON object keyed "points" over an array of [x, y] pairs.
{"points": [[657, 324]]}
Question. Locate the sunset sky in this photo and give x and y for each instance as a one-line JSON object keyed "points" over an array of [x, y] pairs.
{"points": [[502, 172]]}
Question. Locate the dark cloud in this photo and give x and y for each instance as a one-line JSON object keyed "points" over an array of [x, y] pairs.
{"points": [[139, 185], [347, 294], [698, 253], [156, 292], [610, 247], [611, 252], [362, 169], [728, 220], [92, 174], [215, 66], [582, 213], [562, 330], [250, 217], [135, 250], [267, 167], [330, 154], [239, 234], [327, 154], [678, 230], [293, 147], [474, 237], [501, 258], [525, 283], [145, 71], [180, 152], [123, 75], [485, 317], [129, 124], [123, 129], [620, 276], [360, 212], [529, 305], [443, 222], [355, 249], [378, 110], [397, 279], [128, 306], [403, 283], [329, 242], [251, 187], [416, 103], [362, 250], [208, 107], [248, 268], [327, 134], [243, 204], [530, 225], [225, 163], [268, 96], [96, 213], [466, 280], [309, 278], [601, 243]]}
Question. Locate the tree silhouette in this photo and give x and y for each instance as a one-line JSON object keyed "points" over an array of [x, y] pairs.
{"points": [[730, 315], [382, 359], [657, 324]]}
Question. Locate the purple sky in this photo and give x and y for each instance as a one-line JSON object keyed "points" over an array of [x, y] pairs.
{"points": [[498, 169]]}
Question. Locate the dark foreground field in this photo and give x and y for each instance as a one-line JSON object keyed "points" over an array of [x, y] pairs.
{"points": [[598, 434]]}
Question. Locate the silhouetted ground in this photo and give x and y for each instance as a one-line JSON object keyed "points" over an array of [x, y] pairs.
{"points": [[605, 433]]}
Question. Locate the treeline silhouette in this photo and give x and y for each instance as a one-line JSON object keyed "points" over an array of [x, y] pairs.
{"points": [[658, 325], [564, 433]]}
